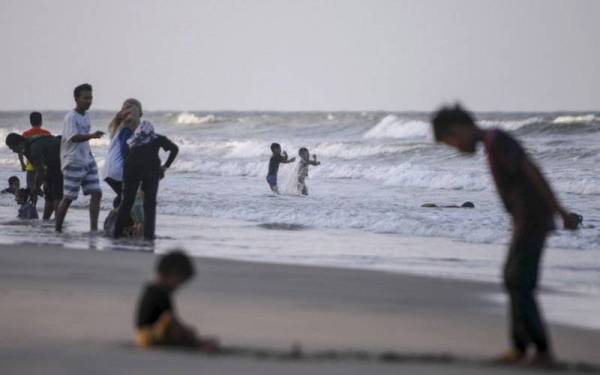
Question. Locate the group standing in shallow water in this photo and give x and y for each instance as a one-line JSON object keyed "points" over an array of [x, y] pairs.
{"points": [[65, 164]]}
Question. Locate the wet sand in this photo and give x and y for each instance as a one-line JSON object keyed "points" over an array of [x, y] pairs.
{"points": [[70, 311]]}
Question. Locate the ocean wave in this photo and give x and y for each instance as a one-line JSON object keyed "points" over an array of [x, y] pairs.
{"points": [[391, 126], [511, 125], [580, 119], [188, 118]]}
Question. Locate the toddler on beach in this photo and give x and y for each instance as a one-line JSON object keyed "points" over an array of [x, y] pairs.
{"points": [[277, 158], [157, 323], [26, 209], [303, 169]]}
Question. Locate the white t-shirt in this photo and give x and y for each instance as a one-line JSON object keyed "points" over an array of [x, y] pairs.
{"points": [[75, 153], [115, 157]]}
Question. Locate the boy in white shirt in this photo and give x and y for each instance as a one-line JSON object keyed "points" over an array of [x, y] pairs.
{"points": [[78, 163]]}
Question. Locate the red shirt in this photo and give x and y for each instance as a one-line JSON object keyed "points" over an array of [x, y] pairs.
{"points": [[35, 132]]}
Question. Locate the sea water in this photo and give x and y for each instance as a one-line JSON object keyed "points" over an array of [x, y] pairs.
{"points": [[377, 170]]}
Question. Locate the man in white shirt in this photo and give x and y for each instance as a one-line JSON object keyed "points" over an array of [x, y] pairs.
{"points": [[78, 163]]}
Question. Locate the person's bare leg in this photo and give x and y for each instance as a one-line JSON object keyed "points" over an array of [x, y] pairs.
{"points": [[49, 206], [95, 210], [61, 212]]}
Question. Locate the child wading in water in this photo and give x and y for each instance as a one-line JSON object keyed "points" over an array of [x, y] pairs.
{"points": [[277, 158], [303, 169], [26, 210], [528, 198], [157, 323]]}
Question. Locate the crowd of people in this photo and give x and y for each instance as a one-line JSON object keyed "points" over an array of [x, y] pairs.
{"points": [[59, 166]]}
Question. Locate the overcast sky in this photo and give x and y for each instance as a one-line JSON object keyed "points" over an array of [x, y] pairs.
{"points": [[302, 55]]}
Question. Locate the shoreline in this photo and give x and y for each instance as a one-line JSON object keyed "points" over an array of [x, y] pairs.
{"points": [[441, 258]]}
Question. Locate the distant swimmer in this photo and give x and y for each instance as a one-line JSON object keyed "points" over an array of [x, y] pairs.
{"points": [[277, 158], [303, 169], [464, 205], [528, 198]]}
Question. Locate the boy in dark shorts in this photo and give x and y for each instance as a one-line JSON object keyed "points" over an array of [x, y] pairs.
{"points": [[528, 198], [277, 158], [156, 322], [43, 153]]}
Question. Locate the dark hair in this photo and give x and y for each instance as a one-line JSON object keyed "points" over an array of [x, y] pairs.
{"points": [[12, 179], [448, 117], [302, 150], [274, 146], [35, 118], [13, 139], [83, 87], [468, 204], [23, 192], [175, 263]]}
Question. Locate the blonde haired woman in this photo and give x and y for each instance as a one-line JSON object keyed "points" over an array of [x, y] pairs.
{"points": [[121, 128]]}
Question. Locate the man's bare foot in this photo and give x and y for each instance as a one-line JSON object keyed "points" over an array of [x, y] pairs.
{"points": [[510, 357]]}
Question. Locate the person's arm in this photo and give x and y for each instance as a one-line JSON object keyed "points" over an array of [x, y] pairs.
{"points": [[167, 145], [38, 178], [542, 186], [22, 161], [124, 135], [314, 161], [78, 138], [284, 159]]}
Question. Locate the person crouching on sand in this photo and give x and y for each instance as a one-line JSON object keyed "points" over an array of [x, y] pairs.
{"points": [[143, 167], [303, 169], [156, 322], [528, 198]]}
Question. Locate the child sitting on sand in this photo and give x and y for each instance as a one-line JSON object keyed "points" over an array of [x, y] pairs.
{"points": [[26, 209], [303, 169], [277, 158], [157, 323]]}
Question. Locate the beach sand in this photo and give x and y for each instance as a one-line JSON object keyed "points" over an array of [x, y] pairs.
{"points": [[71, 310]]}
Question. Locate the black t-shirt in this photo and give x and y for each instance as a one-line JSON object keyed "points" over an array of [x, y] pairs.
{"points": [[146, 157], [44, 151], [528, 207], [153, 302], [274, 164]]}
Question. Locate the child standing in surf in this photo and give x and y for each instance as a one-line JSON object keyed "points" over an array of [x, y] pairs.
{"points": [[303, 169], [277, 158]]}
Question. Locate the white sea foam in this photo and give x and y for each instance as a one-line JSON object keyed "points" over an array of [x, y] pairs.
{"points": [[579, 119], [392, 126], [510, 125], [187, 118]]}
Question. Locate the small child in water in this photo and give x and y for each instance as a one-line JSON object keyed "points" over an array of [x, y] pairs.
{"points": [[157, 323], [303, 169], [14, 184], [26, 210], [277, 158]]}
